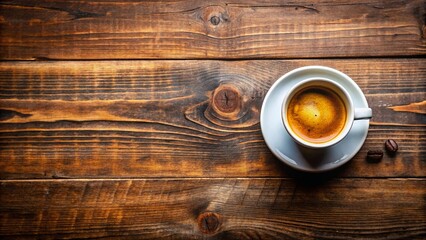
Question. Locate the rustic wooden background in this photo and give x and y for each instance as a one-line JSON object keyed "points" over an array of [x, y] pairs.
{"points": [[140, 120]]}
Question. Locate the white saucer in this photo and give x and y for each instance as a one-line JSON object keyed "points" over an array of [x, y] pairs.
{"points": [[284, 147]]}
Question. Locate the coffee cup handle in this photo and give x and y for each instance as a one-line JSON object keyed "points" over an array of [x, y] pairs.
{"points": [[363, 113]]}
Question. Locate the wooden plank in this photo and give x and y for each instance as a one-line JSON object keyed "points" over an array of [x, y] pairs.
{"points": [[45, 29], [214, 209], [143, 119]]}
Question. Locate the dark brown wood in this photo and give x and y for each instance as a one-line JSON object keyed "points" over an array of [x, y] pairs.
{"points": [[45, 29], [234, 208], [172, 148], [184, 118]]}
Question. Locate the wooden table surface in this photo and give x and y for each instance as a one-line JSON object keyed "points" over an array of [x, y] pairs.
{"points": [[140, 119]]}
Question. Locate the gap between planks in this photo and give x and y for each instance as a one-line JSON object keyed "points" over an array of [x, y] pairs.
{"points": [[36, 59], [197, 178]]}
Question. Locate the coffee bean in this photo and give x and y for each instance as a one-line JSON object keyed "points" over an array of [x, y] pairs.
{"points": [[374, 155], [391, 146]]}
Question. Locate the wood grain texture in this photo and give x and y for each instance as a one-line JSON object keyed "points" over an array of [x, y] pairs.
{"points": [[210, 29], [419, 107], [243, 208], [183, 118]]}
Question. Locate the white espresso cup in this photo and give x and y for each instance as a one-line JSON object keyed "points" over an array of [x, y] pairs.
{"points": [[318, 112]]}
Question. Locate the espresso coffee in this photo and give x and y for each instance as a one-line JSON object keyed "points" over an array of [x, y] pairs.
{"points": [[316, 114]]}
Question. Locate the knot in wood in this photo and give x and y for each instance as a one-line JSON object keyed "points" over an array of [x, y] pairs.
{"points": [[214, 15], [226, 99], [215, 20], [209, 222]]}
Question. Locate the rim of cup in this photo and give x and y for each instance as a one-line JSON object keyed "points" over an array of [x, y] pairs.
{"points": [[336, 88]]}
